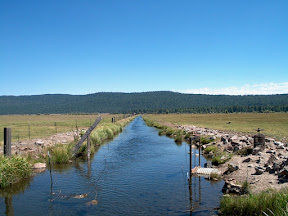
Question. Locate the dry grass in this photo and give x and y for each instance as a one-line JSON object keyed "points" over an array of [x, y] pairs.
{"points": [[42, 126], [274, 124]]}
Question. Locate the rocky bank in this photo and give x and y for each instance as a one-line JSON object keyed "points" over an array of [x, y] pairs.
{"points": [[263, 167]]}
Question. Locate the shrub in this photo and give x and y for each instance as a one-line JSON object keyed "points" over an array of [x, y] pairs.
{"points": [[161, 132], [13, 169], [169, 131], [244, 151], [210, 148], [61, 153], [109, 132], [205, 140], [221, 158], [178, 137]]}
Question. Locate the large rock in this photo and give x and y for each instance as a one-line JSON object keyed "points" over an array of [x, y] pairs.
{"points": [[256, 151], [39, 142], [283, 175], [39, 165], [259, 170], [230, 186], [271, 160], [247, 160], [231, 168], [283, 172], [224, 139]]}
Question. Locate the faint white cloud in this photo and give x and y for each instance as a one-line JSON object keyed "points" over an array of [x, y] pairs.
{"points": [[257, 89]]}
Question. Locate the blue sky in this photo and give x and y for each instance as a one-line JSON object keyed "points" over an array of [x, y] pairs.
{"points": [[81, 47]]}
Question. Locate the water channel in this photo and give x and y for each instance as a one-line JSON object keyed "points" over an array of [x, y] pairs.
{"points": [[137, 173]]}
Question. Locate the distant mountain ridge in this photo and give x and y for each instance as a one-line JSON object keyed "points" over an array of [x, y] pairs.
{"points": [[144, 102]]}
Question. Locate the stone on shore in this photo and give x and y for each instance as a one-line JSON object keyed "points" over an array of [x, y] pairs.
{"points": [[39, 165]]}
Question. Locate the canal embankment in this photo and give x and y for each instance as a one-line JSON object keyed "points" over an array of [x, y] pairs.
{"points": [[136, 173], [31, 156], [250, 164]]}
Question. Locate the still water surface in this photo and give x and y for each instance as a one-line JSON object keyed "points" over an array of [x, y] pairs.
{"points": [[138, 173]]}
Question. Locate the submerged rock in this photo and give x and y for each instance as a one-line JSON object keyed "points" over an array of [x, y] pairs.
{"points": [[92, 202]]}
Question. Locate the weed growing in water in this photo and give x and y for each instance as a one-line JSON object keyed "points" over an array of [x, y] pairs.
{"points": [[13, 169]]}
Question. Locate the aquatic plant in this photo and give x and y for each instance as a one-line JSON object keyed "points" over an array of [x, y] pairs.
{"points": [[13, 169], [61, 153]]}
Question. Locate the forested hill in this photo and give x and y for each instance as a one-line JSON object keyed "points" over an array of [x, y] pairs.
{"points": [[146, 102]]}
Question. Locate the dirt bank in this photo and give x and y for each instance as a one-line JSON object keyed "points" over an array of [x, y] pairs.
{"points": [[38, 146]]}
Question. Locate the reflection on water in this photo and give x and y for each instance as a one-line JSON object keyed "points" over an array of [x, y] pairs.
{"points": [[138, 173], [10, 191]]}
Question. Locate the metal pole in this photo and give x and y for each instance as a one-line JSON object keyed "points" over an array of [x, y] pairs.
{"points": [[50, 173], [190, 158], [200, 152]]}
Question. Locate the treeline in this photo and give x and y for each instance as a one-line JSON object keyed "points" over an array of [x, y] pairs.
{"points": [[146, 102]]}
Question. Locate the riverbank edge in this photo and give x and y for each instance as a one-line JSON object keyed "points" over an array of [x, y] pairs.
{"points": [[20, 167], [263, 202]]}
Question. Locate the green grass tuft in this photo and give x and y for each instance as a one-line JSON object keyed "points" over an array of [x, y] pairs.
{"points": [[265, 203], [211, 148], [13, 169], [61, 154]]}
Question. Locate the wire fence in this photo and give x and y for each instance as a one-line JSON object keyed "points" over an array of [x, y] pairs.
{"points": [[31, 130]]}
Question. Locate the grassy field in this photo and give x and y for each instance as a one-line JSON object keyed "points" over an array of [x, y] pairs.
{"points": [[41, 126], [274, 124]]}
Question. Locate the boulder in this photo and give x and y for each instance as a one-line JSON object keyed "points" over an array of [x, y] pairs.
{"points": [[229, 148], [39, 142], [256, 151], [283, 172], [224, 140], [230, 186], [231, 168], [39, 165], [276, 167], [271, 160], [280, 146], [278, 143], [225, 157], [246, 160], [270, 151], [270, 169], [236, 148], [259, 170]]}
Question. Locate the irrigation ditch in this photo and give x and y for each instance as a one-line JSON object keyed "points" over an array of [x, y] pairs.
{"points": [[253, 167], [32, 156]]}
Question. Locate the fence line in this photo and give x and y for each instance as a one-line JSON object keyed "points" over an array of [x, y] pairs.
{"points": [[31, 130]]}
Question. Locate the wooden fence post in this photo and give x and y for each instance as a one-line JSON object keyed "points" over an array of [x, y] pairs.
{"points": [[84, 137], [88, 147], [7, 142], [29, 134]]}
